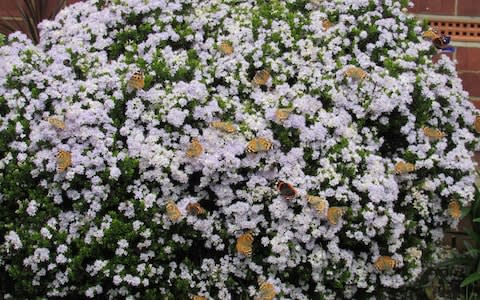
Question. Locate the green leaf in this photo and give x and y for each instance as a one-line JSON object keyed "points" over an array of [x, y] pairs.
{"points": [[429, 293], [472, 234], [470, 279], [465, 212]]}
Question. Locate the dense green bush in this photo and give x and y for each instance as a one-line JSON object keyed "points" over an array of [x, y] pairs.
{"points": [[343, 154]]}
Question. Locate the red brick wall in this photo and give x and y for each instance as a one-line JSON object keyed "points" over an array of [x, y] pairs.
{"points": [[447, 7], [8, 8]]}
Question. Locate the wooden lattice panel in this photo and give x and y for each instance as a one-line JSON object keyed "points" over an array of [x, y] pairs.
{"points": [[461, 31]]}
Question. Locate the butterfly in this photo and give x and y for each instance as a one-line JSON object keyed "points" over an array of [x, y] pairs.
{"points": [[259, 144], [266, 291], [281, 114], [64, 160], [335, 213], [433, 133], [430, 34], [326, 24], [56, 122], [385, 263], [261, 77], [226, 48], [477, 124], [286, 190], [441, 42], [173, 212], [454, 209], [403, 167], [356, 73], [195, 149], [319, 203], [224, 126], [244, 243], [196, 297], [137, 81], [195, 209]]}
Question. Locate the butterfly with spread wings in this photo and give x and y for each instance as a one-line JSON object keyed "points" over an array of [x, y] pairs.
{"points": [[172, 210], [433, 133], [439, 40], [245, 243], [137, 81], [385, 263], [261, 77], [454, 209], [64, 160], [259, 144], [195, 149], [56, 122], [226, 48], [266, 291]]}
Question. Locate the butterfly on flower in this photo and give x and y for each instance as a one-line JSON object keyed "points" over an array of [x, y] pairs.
{"points": [[320, 204], [226, 48], [173, 212], [245, 243], [259, 144], [455, 209], [442, 43], [197, 297], [433, 133], [477, 124], [261, 77], [430, 34], [326, 24], [266, 291], [439, 40], [286, 190], [281, 114], [404, 167], [56, 122], [64, 160], [137, 81], [385, 263], [195, 209], [334, 214], [195, 149], [356, 73], [224, 126]]}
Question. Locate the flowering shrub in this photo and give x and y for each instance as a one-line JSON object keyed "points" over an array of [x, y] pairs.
{"points": [[289, 149]]}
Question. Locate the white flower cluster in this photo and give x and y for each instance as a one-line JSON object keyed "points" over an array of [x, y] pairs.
{"points": [[280, 142]]}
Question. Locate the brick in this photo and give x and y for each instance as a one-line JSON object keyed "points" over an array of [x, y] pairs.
{"points": [[476, 102], [8, 8], [476, 158], [468, 8], [461, 240], [465, 223], [434, 7], [471, 82], [468, 59]]}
